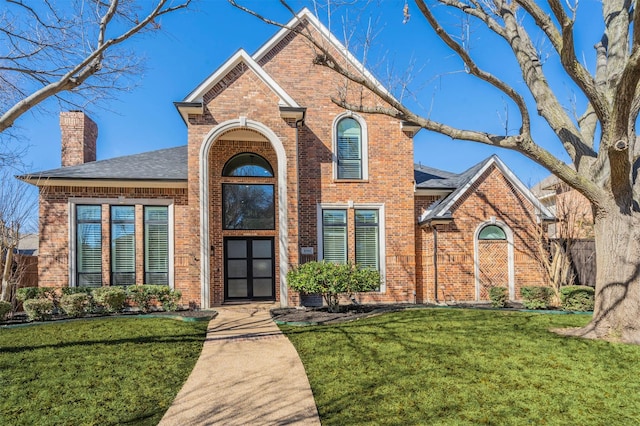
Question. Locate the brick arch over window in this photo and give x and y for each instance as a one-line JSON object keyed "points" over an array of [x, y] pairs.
{"points": [[205, 247], [493, 260], [363, 145]]}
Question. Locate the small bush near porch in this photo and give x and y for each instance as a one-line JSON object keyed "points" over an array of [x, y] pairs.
{"points": [[95, 372], [467, 367]]}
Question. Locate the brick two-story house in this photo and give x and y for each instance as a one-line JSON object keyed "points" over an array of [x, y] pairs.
{"points": [[274, 174]]}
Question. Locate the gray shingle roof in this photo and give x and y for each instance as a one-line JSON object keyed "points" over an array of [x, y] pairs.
{"points": [[461, 182], [168, 164]]}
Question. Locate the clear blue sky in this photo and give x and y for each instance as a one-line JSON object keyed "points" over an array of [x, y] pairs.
{"points": [[193, 44]]}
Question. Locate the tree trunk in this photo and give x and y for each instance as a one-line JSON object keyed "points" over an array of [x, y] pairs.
{"points": [[616, 315], [6, 275]]}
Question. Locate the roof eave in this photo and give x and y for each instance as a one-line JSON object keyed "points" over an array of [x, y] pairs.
{"points": [[186, 108], [44, 181]]}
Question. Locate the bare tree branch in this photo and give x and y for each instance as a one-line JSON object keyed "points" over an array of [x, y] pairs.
{"points": [[71, 73]]}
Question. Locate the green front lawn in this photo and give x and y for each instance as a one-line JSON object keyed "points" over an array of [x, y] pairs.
{"points": [[467, 367], [97, 372]]}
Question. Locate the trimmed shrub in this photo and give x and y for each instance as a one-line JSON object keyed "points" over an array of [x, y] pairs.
{"points": [[28, 293], [149, 295], [111, 299], [331, 280], [534, 297], [38, 309], [5, 308], [76, 290], [76, 304], [499, 296], [577, 298]]}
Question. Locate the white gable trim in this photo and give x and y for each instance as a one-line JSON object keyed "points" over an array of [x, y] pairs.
{"points": [[511, 177], [241, 56], [324, 31]]}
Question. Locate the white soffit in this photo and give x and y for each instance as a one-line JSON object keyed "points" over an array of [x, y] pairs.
{"points": [[240, 56], [306, 13]]}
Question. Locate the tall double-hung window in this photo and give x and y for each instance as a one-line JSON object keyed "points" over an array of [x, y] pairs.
{"points": [[349, 149], [367, 239], [156, 245], [89, 246], [123, 245], [334, 235]]}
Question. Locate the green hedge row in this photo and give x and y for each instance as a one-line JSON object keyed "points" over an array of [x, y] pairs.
{"points": [[40, 303], [573, 298]]}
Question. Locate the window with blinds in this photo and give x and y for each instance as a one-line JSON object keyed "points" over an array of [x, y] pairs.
{"points": [[156, 245], [88, 246], [349, 149], [334, 236], [123, 245], [367, 239]]}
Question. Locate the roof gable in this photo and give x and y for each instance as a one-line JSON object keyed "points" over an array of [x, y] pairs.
{"points": [[306, 15], [465, 181], [241, 56]]}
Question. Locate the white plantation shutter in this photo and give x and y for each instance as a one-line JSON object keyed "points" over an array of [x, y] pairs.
{"points": [[349, 149], [334, 235], [156, 245], [367, 239], [89, 246], [123, 245]]}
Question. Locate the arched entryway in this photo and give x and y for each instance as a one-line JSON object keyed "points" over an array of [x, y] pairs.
{"points": [[493, 258], [243, 214]]}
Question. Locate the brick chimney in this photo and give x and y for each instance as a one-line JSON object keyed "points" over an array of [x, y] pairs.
{"points": [[79, 135]]}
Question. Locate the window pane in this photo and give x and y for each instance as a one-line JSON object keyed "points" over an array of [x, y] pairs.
{"points": [[156, 244], [367, 239], [89, 246], [349, 149], [262, 267], [492, 232], [123, 245], [237, 288], [248, 206], [334, 235], [263, 287], [262, 248], [237, 249], [248, 164]]}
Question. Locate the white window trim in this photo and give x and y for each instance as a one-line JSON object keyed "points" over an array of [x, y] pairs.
{"points": [[364, 147], [115, 202], [381, 231]]}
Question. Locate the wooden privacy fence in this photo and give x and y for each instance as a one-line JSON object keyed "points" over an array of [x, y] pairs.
{"points": [[583, 258]]}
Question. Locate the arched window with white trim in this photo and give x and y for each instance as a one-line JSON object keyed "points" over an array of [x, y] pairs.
{"points": [[350, 147]]}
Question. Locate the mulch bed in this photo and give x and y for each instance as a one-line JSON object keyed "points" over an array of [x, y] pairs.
{"points": [[21, 318], [319, 316]]}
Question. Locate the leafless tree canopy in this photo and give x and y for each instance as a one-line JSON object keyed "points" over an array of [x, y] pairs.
{"points": [[71, 50], [600, 140]]}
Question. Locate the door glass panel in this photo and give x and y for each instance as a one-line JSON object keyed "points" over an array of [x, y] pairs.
{"points": [[262, 248], [261, 267], [237, 268], [262, 287], [236, 248], [237, 288]]}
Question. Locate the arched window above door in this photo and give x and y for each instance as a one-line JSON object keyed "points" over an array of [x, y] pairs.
{"points": [[492, 232], [247, 164]]}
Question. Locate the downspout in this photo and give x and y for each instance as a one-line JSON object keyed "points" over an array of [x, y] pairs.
{"points": [[435, 262], [299, 123]]}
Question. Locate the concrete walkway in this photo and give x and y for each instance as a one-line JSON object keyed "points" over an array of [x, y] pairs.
{"points": [[248, 374]]}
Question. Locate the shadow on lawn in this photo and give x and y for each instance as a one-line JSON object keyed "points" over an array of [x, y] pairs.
{"points": [[440, 361]]}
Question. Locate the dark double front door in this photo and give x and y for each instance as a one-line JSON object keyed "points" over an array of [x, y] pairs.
{"points": [[249, 271]]}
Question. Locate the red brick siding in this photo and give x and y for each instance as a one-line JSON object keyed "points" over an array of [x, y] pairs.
{"points": [[491, 196]]}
